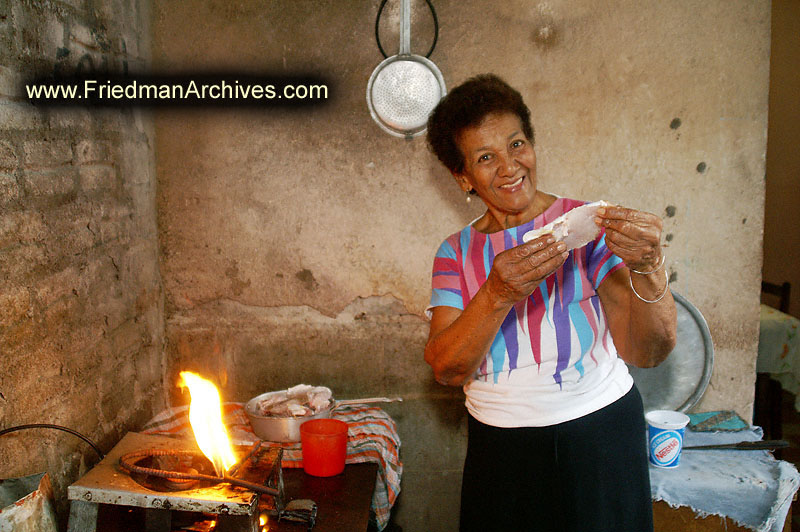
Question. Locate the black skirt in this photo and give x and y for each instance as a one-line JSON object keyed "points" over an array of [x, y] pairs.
{"points": [[585, 475]]}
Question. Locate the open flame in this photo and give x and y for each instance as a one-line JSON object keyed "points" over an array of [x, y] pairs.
{"points": [[205, 416]]}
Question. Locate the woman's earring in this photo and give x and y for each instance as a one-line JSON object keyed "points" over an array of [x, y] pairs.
{"points": [[469, 196]]}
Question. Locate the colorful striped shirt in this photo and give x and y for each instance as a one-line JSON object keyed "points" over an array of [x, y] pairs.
{"points": [[553, 358]]}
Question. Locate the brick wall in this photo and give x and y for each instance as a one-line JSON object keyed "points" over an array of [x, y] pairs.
{"points": [[81, 312]]}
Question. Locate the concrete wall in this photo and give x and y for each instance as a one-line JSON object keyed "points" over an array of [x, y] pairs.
{"points": [[81, 302], [297, 244], [782, 203]]}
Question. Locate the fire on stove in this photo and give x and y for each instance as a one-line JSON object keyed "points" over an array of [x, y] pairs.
{"points": [[207, 484], [175, 470], [179, 470]]}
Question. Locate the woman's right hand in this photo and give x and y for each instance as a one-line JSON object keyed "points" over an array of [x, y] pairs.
{"points": [[517, 272]]}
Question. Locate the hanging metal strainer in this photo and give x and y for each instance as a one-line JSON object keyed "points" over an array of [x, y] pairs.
{"points": [[403, 89]]}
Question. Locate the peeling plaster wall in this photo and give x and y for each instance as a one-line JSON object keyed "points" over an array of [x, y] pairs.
{"points": [[81, 301], [297, 244]]}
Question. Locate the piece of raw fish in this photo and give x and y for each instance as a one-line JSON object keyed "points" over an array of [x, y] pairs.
{"points": [[575, 228], [298, 401], [320, 398]]}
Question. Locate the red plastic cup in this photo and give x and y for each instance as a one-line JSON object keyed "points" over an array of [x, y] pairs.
{"points": [[324, 445]]}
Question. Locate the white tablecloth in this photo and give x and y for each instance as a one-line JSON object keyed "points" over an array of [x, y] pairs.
{"points": [[750, 487]]}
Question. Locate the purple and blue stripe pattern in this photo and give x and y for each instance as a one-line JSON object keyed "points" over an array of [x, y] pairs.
{"points": [[555, 335]]}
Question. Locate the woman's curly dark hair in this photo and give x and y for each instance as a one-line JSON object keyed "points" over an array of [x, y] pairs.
{"points": [[466, 106]]}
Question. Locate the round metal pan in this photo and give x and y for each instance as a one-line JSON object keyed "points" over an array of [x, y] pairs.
{"points": [[680, 381], [287, 429]]}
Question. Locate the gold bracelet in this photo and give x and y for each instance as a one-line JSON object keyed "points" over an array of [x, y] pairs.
{"points": [[666, 288], [660, 265]]}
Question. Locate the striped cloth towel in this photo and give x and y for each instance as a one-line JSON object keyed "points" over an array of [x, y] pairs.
{"points": [[371, 437]]}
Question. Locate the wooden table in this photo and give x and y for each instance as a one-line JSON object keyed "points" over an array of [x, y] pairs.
{"points": [[777, 367], [683, 519], [343, 501], [107, 499]]}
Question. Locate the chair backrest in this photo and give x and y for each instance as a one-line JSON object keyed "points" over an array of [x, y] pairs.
{"points": [[783, 291]]}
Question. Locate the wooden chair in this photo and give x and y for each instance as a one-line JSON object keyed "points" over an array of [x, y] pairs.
{"points": [[767, 407], [783, 291]]}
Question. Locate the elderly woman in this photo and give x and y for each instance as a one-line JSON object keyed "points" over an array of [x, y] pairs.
{"points": [[538, 336]]}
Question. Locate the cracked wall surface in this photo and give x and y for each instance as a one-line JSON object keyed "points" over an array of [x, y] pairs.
{"points": [[279, 228]]}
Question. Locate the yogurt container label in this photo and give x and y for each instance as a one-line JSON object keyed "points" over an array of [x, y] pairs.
{"points": [[665, 448]]}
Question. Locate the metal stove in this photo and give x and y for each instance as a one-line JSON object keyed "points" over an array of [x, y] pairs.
{"points": [[175, 488]]}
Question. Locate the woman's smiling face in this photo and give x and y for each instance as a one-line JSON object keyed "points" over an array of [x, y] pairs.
{"points": [[500, 164]]}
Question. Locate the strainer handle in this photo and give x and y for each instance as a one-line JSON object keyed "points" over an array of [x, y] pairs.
{"points": [[405, 28]]}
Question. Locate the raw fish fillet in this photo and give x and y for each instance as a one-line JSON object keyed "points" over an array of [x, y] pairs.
{"points": [[298, 401], [575, 228]]}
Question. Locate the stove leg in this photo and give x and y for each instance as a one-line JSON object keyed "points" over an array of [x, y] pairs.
{"points": [[83, 516], [157, 520], [237, 523]]}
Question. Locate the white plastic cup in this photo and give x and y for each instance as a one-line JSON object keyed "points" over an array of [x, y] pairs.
{"points": [[665, 429]]}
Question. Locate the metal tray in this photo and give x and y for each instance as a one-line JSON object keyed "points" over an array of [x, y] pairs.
{"points": [[680, 381]]}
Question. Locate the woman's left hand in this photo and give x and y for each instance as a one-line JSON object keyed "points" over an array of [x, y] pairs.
{"points": [[644, 330], [634, 236]]}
